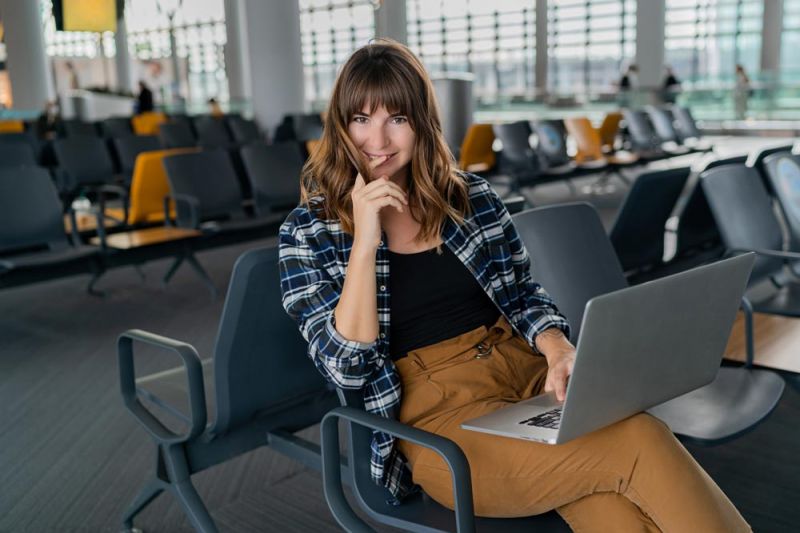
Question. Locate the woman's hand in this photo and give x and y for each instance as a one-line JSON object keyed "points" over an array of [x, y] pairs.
{"points": [[368, 200], [560, 355], [558, 372]]}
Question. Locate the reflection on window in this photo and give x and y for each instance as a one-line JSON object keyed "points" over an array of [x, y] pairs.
{"points": [[705, 39], [330, 31], [589, 42], [496, 41]]}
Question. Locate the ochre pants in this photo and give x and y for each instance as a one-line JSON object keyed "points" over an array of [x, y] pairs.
{"points": [[631, 476]]}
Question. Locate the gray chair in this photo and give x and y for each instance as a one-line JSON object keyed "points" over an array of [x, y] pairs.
{"points": [[685, 124], [756, 160], [26, 138], [77, 128], [211, 132], [258, 389], [207, 196], [644, 139], [417, 512], [33, 244], [274, 174], [16, 155], [116, 127], [574, 261], [243, 130], [176, 134], [783, 171], [664, 126]]}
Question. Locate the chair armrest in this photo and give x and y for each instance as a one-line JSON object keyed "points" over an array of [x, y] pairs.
{"points": [[194, 373], [777, 254], [184, 203], [331, 467]]}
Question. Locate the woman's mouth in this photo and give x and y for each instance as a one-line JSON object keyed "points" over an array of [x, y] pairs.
{"points": [[373, 156]]}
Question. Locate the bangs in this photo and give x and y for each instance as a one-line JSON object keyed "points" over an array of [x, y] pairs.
{"points": [[375, 83]]}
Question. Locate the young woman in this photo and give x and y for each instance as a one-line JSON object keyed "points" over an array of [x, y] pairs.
{"points": [[459, 328]]}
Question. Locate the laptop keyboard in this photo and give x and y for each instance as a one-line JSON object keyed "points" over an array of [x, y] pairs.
{"points": [[549, 419]]}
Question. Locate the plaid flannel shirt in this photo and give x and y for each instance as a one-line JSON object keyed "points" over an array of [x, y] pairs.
{"points": [[314, 254]]}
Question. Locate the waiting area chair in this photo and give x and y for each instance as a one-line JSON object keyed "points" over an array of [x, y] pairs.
{"points": [[128, 149], [274, 174], [476, 154], [243, 131], [147, 123], [574, 261], [257, 389], [176, 134]]}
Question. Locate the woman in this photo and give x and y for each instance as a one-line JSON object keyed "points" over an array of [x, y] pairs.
{"points": [[466, 330], [741, 92]]}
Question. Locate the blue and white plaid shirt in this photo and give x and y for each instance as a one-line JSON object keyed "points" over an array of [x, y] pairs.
{"points": [[314, 254]]}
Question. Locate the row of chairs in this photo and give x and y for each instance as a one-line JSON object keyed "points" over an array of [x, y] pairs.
{"points": [[573, 257]]}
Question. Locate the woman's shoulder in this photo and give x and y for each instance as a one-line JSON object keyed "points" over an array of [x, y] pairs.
{"points": [[307, 220]]}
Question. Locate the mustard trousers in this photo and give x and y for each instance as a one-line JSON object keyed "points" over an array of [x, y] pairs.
{"points": [[631, 476]]}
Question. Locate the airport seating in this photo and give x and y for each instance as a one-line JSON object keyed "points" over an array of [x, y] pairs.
{"points": [[147, 123], [274, 174], [176, 134], [16, 154], [573, 257], [257, 389], [116, 127], [242, 130], [212, 132], [128, 149], [71, 128], [476, 154], [609, 130], [12, 126]]}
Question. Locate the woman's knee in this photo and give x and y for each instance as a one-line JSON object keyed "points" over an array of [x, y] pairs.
{"points": [[646, 431]]}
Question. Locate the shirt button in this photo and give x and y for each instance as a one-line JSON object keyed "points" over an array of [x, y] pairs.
{"points": [[380, 243], [383, 335], [383, 288]]}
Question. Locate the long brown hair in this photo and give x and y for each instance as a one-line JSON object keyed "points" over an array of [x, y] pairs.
{"points": [[386, 74]]}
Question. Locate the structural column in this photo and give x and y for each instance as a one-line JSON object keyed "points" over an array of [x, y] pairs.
{"points": [[541, 47], [650, 20], [122, 60], [771, 37], [390, 21], [236, 52], [26, 59], [275, 60]]}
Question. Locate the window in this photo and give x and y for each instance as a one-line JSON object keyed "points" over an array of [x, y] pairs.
{"points": [[496, 41], [790, 41], [705, 39], [589, 43], [331, 30]]}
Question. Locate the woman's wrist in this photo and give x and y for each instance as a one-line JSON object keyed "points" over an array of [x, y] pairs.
{"points": [[552, 343]]}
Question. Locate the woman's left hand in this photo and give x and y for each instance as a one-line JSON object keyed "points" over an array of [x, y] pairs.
{"points": [[559, 370]]}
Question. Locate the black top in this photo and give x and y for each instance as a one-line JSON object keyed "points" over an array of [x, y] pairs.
{"points": [[433, 298]]}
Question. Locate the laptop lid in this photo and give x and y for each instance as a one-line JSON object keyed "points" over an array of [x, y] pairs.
{"points": [[650, 343]]}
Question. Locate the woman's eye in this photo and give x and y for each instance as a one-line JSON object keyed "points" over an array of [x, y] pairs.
{"points": [[399, 120], [360, 120]]}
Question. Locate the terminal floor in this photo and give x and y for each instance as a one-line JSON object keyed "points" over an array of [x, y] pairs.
{"points": [[72, 458]]}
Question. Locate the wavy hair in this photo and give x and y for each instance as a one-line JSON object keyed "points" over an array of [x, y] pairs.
{"points": [[385, 74]]}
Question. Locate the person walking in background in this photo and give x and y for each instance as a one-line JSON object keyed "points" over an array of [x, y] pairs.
{"points": [[671, 87], [741, 92], [627, 83], [144, 101]]}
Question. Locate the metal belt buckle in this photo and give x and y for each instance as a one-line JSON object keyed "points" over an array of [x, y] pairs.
{"points": [[484, 350]]}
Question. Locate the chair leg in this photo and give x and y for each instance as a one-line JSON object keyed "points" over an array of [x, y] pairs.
{"points": [[172, 269], [747, 308], [197, 267], [141, 273], [196, 511], [143, 499], [92, 282]]}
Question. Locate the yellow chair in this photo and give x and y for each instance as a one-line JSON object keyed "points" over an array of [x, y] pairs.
{"points": [[149, 186], [12, 126], [476, 150], [590, 145], [147, 123], [609, 129]]}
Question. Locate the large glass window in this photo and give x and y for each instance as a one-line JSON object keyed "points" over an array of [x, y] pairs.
{"points": [[588, 43], [496, 41], [331, 30], [705, 39]]}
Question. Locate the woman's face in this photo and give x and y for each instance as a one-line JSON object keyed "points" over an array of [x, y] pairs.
{"points": [[381, 133]]}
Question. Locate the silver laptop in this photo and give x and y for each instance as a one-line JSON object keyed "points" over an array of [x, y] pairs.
{"points": [[639, 347]]}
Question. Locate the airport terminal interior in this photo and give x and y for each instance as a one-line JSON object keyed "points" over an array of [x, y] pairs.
{"points": [[150, 379]]}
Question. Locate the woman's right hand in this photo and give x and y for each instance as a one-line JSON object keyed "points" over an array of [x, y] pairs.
{"points": [[368, 200]]}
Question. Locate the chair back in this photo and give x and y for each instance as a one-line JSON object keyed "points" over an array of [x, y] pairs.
{"points": [[743, 212], [638, 231], [85, 160], [587, 139], [211, 132], [640, 131], [116, 127], [242, 130], [307, 126], [476, 154], [260, 357], [552, 143], [149, 187], [16, 155], [30, 210], [783, 172], [662, 124], [609, 129], [210, 178], [128, 149], [757, 158], [571, 255], [685, 124], [12, 126], [177, 134], [147, 123], [77, 128], [274, 174], [517, 157]]}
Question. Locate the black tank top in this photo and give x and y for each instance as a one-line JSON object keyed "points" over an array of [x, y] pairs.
{"points": [[434, 297]]}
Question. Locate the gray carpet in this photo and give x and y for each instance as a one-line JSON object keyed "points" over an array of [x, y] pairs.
{"points": [[72, 458]]}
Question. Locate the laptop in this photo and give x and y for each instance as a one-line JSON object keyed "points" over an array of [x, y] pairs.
{"points": [[638, 348]]}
